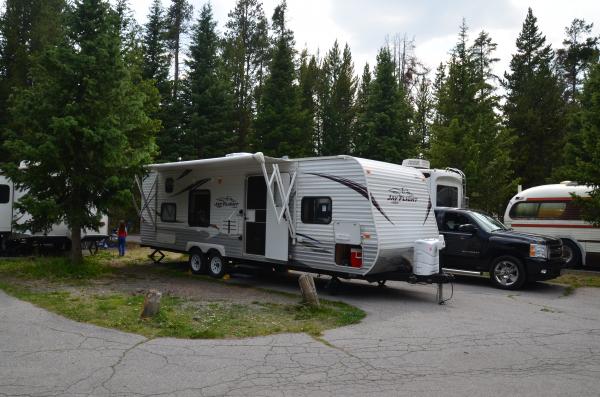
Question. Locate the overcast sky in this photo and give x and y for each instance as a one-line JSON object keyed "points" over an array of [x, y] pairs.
{"points": [[364, 24]]}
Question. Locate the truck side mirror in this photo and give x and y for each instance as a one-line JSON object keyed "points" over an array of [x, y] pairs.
{"points": [[467, 228]]}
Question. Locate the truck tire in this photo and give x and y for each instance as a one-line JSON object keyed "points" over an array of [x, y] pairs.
{"points": [[571, 253], [197, 261], [216, 265], [507, 272]]}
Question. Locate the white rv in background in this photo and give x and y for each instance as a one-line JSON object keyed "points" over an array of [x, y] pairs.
{"points": [[343, 216], [59, 235], [550, 210], [447, 187]]}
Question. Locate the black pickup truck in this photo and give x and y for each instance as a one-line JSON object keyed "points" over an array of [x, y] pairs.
{"points": [[476, 242]]}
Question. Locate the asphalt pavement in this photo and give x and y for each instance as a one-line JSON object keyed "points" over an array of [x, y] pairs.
{"points": [[484, 342]]}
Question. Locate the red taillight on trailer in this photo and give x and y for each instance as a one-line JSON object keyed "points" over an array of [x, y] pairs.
{"points": [[355, 257]]}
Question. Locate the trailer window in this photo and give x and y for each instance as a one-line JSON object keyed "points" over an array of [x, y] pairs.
{"points": [[447, 196], [169, 185], [552, 210], [199, 208], [4, 194], [316, 210], [524, 210], [168, 212]]}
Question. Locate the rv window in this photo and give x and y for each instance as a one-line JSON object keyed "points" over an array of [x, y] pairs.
{"points": [[4, 194], [316, 210], [169, 185], [553, 210], [447, 196], [199, 208], [168, 212], [524, 210]]}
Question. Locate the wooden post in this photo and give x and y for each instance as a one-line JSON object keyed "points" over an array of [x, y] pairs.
{"points": [[151, 304], [308, 289]]}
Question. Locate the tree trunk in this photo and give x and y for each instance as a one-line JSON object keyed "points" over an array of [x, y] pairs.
{"points": [[151, 304], [76, 255], [308, 289]]}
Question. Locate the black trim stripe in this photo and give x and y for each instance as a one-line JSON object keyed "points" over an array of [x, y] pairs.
{"points": [[360, 189], [183, 174], [192, 186], [428, 211]]}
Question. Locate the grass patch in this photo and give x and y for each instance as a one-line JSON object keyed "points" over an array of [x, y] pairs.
{"points": [[574, 279], [188, 319], [56, 268]]}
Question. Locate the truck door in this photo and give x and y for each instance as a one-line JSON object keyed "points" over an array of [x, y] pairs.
{"points": [[462, 248]]}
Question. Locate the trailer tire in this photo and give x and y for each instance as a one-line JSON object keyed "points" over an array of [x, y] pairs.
{"points": [[216, 265], [571, 253], [507, 272], [197, 261]]}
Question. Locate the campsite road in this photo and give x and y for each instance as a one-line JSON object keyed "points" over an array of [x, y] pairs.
{"points": [[483, 342]]}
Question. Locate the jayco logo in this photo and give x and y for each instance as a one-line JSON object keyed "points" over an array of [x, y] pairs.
{"points": [[396, 195], [226, 202]]}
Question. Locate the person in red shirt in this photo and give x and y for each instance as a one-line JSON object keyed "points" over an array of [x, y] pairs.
{"points": [[122, 234]]}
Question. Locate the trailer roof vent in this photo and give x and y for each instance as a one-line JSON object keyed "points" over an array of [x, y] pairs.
{"points": [[415, 163], [569, 183], [238, 154]]}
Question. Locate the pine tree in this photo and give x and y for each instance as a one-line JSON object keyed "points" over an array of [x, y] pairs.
{"points": [[83, 128], [584, 150], [156, 56], [339, 89], [388, 115], [534, 109], [467, 132], [579, 52], [246, 45], [210, 105], [423, 113], [178, 17], [281, 125], [308, 80], [362, 140]]}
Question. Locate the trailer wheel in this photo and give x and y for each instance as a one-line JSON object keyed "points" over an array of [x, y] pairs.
{"points": [[197, 262], [507, 272], [571, 254], [216, 265]]}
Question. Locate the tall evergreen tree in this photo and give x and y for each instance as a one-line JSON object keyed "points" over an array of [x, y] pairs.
{"points": [[584, 149], [388, 116], [83, 127], [246, 43], [178, 16], [209, 132], [423, 113], [534, 109], [467, 132], [308, 82], [281, 125], [339, 85], [579, 52], [156, 56], [361, 131]]}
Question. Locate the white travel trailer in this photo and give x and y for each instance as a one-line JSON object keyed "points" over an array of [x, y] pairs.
{"points": [[550, 210], [343, 216], [447, 187], [59, 235]]}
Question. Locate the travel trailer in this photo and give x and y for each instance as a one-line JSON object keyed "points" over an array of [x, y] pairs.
{"points": [[343, 216], [550, 210], [59, 235], [447, 187]]}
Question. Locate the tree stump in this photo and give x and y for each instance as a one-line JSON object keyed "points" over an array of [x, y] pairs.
{"points": [[151, 304], [308, 289]]}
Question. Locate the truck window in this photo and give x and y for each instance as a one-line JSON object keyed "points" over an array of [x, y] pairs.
{"points": [[447, 196], [316, 210], [4, 194], [199, 208], [453, 220]]}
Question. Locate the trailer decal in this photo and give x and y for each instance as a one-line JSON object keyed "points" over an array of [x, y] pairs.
{"points": [[313, 244], [360, 189], [184, 174], [428, 211]]}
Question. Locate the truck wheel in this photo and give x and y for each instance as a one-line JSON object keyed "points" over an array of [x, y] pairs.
{"points": [[197, 262], [507, 272], [216, 265], [571, 254]]}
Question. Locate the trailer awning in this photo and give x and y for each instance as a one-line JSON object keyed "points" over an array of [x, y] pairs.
{"points": [[234, 160]]}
